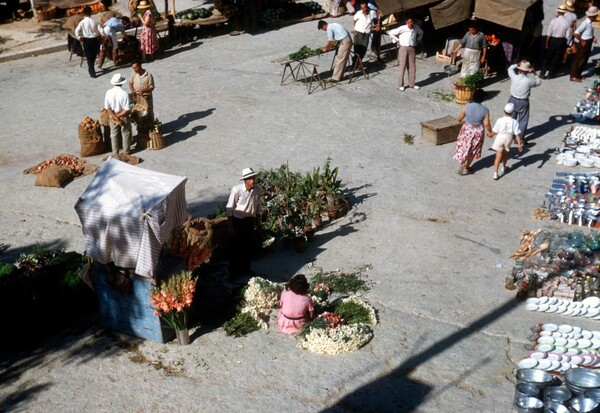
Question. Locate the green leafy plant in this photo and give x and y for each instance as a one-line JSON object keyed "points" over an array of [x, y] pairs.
{"points": [[343, 282], [353, 312], [240, 325], [472, 81]]}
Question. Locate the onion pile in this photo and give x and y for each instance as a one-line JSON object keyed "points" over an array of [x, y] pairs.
{"points": [[89, 123], [71, 162]]}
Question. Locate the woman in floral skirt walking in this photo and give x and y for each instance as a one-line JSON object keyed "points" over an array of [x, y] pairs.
{"points": [[149, 37], [470, 138]]}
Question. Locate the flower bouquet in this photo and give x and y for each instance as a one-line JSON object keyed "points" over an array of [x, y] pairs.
{"points": [[343, 330], [173, 298]]}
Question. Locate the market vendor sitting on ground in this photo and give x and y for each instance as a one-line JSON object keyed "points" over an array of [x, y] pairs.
{"points": [[116, 101], [141, 83], [337, 33], [296, 307], [243, 216]]}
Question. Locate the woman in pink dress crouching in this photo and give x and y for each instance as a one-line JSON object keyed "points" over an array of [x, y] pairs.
{"points": [[296, 307]]}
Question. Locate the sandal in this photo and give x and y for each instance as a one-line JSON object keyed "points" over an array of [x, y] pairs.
{"points": [[461, 170]]}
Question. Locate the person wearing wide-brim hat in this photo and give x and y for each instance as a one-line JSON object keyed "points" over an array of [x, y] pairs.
{"points": [[243, 216], [556, 43], [571, 17], [520, 89], [118, 105], [585, 36], [149, 44]]}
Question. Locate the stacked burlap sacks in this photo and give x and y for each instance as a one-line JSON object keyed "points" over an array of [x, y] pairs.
{"points": [[90, 137], [199, 239]]}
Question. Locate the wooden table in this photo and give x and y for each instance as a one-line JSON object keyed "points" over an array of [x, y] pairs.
{"points": [[301, 70]]}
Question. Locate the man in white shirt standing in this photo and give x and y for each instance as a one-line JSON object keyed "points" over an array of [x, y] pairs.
{"points": [[243, 214], [363, 23], [116, 101], [407, 37], [88, 33], [585, 36], [556, 43]]}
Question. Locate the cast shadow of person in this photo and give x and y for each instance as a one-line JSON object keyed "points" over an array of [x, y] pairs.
{"points": [[554, 122], [515, 159], [184, 120]]}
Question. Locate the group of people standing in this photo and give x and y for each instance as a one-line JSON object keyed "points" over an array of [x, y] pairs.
{"points": [[119, 105], [563, 32], [93, 35]]}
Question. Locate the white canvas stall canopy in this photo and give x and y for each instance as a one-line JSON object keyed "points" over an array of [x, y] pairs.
{"points": [[127, 213], [507, 13]]}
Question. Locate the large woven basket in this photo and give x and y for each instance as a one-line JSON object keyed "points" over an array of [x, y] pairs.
{"points": [[462, 94], [45, 12]]}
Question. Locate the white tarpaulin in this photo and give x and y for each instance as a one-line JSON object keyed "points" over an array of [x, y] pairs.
{"points": [[127, 214]]}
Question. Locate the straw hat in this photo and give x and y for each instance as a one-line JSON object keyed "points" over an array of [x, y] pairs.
{"points": [[592, 11], [525, 66], [569, 6], [248, 173], [117, 80], [561, 9], [143, 5]]}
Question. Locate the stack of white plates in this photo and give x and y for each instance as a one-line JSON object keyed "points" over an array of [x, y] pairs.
{"points": [[567, 161], [587, 163]]}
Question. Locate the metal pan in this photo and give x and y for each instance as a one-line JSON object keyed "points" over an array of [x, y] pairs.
{"points": [[452, 68]]}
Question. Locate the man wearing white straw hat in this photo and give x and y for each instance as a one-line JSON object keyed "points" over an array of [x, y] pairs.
{"points": [[520, 89], [243, 215], [571, 17], [585, 36], [556, 43], [116, 101]]}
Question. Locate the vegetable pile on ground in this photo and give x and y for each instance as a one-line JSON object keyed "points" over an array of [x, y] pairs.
{"points": [[195, 13], [72, 162]]}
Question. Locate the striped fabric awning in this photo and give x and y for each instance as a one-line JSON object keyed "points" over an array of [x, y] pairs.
{"points": [[127, 213]]}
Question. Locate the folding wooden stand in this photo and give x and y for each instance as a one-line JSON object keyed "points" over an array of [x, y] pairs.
{"points": [[301, 70], [358, 65]]}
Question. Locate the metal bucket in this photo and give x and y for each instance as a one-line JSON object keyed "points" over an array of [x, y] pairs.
{"points": [[452, 68]]}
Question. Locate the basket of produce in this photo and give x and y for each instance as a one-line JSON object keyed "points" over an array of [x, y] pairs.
{"points": [[45, 12], [156, 141], [194, 14], [140, 106]]}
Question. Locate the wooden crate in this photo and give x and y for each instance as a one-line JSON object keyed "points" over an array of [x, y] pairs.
{"points": [[441, 130], [131, 314]]}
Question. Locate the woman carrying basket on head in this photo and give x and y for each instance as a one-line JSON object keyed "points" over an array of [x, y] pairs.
{"points": [[149, 38]]}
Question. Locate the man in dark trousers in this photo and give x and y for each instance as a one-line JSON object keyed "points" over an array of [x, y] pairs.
{"points": [[556, 43], [585, 36], [88, 33], [243, 214]]}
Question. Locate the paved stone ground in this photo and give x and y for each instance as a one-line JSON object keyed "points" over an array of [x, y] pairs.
{"points": [[450, 335]]}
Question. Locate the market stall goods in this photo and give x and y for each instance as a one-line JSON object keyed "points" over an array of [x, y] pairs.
{"points": [[581, 146], [90, 137], [574, 198], [588, 108], [563, 266]]}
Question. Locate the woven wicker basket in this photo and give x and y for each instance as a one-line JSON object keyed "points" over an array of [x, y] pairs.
{"points": [[156, 142], [46, 12], [463, 94]]}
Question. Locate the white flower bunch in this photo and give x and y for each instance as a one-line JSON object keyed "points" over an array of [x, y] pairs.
{"points": [[319, 302], [337, 340], [260, 298], [372, 314]]}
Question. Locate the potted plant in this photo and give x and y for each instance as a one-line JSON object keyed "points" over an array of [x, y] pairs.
{"points": [[465, 86]]}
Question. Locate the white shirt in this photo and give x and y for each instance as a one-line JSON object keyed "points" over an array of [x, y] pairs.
{"points": [[559, 27], [88, 28], [117, 99], [362, 23], [243, 203], [405, 36], [571, 18], [586, 29], [520, 85], [507, 124]]}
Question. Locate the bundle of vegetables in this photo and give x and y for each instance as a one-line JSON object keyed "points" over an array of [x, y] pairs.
{"points": [[270, 17], [304, 53], [89, 124], [70, 161], [196, 13]]}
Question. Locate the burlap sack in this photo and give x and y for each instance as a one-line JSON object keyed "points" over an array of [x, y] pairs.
{"points": [[91, 141], [72, 22], [104, 117], [54, 176]]}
